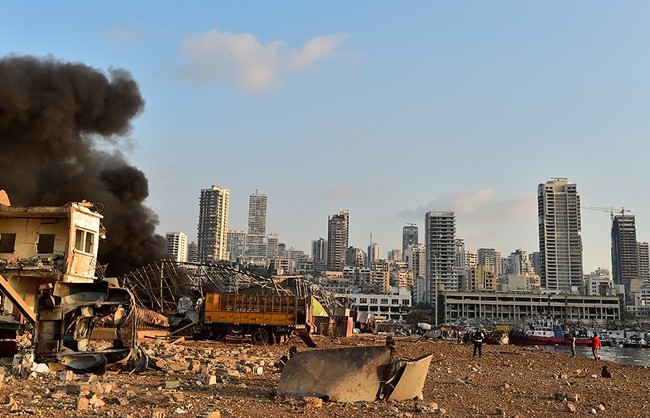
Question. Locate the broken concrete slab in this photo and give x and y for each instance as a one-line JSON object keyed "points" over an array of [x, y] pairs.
{"points": [[353, 375], [408, 383]]}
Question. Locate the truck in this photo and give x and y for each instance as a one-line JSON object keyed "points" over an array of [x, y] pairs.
{"points": [[267, 319]]}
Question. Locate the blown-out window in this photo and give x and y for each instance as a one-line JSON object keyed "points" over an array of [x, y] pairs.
{"points": [[7, 242], [84, 241], [45, 244]]}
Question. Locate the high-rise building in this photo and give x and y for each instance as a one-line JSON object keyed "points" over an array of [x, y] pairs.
{"points": [[193, 252], [374, 253], [273, 246], [440, 242], [535, 260], [338, 229], [394, 255], [481, 278], [213, 224], [255, 245], [409, 236], [560, 242], [491, 258], [177, 245], [471, 259], [520, 263], [460, 264], [416, 260], [625, 251], [319, 250], [355, 257], [644, 262], [380, 275], [236, 244]]}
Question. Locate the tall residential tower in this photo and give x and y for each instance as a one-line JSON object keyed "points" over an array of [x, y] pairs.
{"points": [[440, 242], [338, 229], [409, 237], [560, 242], [255, 245], [625, 251], [213, 224]]}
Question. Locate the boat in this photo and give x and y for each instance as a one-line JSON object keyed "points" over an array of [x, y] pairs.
{"points": [[544, 331], [634, 342]]}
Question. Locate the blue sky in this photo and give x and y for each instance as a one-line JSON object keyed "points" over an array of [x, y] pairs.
{"points": [[385, 109]]}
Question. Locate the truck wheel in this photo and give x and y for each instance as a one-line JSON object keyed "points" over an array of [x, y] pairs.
{"points": [[260, 336]]}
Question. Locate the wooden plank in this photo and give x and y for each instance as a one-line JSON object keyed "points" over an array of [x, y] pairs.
{"points": [[18, 301]]}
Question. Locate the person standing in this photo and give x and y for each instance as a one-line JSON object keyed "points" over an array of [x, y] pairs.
{"points": [[573, 345], [477, 339], [595, 345]]}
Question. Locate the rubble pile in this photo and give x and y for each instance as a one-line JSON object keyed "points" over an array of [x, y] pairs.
{"points": [[235, 379]]}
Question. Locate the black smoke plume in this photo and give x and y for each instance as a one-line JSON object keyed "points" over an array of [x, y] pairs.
{"points": [[61, 125]]}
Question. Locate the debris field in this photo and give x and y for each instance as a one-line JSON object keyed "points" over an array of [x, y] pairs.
{"points": [[233, 378]]}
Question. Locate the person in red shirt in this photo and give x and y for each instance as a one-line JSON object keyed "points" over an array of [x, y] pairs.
{"points": [[595, 345]]}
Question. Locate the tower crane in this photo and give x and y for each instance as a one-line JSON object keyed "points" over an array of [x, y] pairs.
{"points": [[610, 210]]}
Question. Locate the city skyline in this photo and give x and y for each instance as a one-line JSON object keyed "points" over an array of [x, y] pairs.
{"points": [[437, 106], [258, 205]]}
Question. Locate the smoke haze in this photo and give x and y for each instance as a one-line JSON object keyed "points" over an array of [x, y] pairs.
{"points": [[54, 117]]}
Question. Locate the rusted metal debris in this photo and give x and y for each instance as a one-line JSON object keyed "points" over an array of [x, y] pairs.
{"points": [[160, 286], [87, 326], [353, 375]]}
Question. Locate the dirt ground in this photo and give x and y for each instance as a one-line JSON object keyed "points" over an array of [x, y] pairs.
{"points": [[239, 380]]}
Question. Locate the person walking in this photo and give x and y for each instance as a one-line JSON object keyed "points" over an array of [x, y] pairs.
{"points": [[477, 339], [595, 345], [573, 345]]}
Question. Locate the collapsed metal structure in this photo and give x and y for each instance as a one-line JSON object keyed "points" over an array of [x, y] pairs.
{"points": [[159, 286]]}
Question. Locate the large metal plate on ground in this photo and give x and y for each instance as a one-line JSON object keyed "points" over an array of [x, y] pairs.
{"points": [[340, 375], [410, 380]]}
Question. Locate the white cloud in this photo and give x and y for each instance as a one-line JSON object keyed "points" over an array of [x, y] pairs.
{"points": [[479, 207], [242, 59], [485, 218], [340, 192]]}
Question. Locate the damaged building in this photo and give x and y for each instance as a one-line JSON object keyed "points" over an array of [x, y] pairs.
{"points": [[50, 279]]}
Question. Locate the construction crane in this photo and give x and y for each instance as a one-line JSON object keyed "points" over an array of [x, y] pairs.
{"points": [[610, 210]]}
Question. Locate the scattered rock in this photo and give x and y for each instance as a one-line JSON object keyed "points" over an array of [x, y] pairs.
{"points": [[211, 414], [172, 384], [82, 404], [313, 402]]}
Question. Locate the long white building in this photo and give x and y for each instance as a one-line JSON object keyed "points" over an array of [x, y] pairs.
{"points": [[517, 306]]}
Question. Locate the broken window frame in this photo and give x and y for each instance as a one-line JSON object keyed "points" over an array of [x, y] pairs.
{"points": [[7, 242], [84, 241]]}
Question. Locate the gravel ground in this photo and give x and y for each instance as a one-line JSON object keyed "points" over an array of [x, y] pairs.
{"points": [[237, 379]]}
